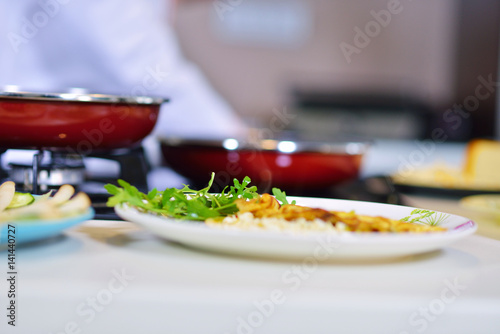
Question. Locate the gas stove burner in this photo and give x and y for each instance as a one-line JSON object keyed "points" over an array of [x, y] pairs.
{"points": [[51, 173], [38, 172]]}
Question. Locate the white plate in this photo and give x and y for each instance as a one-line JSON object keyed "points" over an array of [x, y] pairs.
{"points": [[318, 246]]}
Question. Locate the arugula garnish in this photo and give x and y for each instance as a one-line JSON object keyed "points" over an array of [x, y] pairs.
{"points": [[428, 217], [281, 196], [185, 203]]}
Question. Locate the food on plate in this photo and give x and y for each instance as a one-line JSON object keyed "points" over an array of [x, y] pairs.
{"points": [[7, 191], [241, 207], [266, 213], [17, 206], [479, 170], [20, 199]]}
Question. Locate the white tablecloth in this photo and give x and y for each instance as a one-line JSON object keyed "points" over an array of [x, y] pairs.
{"points": [[113, 277]]}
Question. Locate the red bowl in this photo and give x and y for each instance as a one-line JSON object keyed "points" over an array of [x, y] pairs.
{"points": [[77, 123], [290, 166]]}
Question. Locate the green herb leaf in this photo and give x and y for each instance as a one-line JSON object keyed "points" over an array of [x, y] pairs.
{"points": [[184, 203], [426, 217], [281, 196]]}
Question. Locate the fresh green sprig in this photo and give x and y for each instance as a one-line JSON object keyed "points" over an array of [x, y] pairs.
{"points": [[428, 217], [281, 196], [185, 203]]}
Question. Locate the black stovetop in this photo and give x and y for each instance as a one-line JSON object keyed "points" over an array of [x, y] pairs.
{"points": [[133, 168]]}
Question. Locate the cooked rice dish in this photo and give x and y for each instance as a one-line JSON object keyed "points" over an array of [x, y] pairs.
{"points": [[247, 221], [265, 213]]}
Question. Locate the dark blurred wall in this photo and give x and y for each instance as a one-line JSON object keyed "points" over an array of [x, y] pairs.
{"points": [[478, 56], [256, 52]]}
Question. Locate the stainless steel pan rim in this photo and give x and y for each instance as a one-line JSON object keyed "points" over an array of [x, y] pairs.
{"points": [[78, 97], [281, 146]]}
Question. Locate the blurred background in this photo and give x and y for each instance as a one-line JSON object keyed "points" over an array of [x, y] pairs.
{"points": [[417, 80], [348, 67]]}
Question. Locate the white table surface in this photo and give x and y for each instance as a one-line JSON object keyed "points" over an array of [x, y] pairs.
{"points": [[113, 277]]}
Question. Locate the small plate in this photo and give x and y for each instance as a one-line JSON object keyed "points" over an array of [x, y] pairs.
{"points": [[316, 245], [33, 230], [485, 204]]}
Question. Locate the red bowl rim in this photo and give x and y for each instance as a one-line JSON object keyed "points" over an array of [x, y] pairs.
{"points": [[270, 145]]}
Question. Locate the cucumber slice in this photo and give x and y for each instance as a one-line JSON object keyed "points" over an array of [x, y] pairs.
{"points": [[21, 199]]}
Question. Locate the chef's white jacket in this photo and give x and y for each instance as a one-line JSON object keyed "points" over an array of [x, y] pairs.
{"points": [[121, 47]]}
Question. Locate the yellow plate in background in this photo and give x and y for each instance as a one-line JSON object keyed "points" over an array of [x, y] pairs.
{"points": [[486, 204]]}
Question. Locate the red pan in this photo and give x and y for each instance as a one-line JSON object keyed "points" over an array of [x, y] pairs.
{"points": [[289, 165], [77, 123]]}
